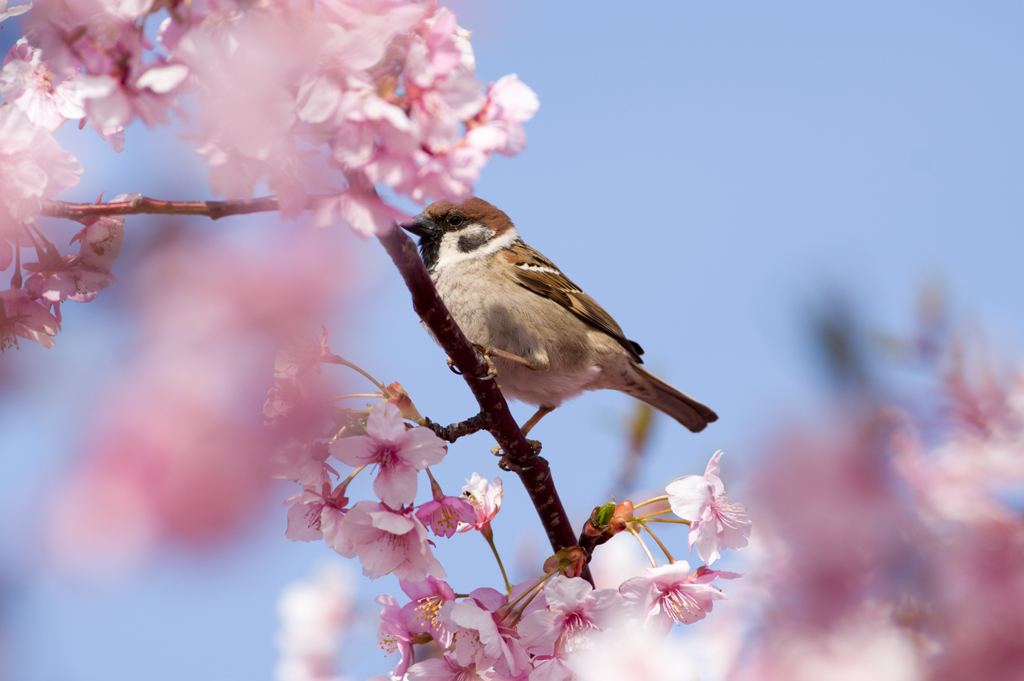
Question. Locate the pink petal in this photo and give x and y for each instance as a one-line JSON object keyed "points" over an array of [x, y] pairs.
{"points": [[355, 451], [385, 424]]}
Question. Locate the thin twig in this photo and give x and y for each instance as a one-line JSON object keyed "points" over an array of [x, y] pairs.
{"points": [[453, 432]]}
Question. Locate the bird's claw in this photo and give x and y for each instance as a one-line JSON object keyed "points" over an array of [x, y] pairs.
{"points": [[506, 465]]}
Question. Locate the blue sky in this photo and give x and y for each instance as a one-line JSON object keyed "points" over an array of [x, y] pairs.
{"points": [[708, 172]]}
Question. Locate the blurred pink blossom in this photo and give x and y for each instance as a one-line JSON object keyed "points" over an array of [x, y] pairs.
{"points": [[33, 167], [27, 83], [24, 317], [313, 614], [173, 453]]}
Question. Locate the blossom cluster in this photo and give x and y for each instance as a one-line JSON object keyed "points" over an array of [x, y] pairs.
{"points": [[336, 96], [543, 627]]}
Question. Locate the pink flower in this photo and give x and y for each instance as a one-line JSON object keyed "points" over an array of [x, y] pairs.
{"points": [[33, 167], [317, 515], [301, 354], [445, 515], [101, 237], [393, 634], [390, 542], [574, 611], [362, 211], [670, 594], [483, 636], [27, 83], [486, 500], [714, 522], [423, 614], [77, 278], [303, 462], [399, 453], [22, 316], [447, 668], [510, 103]]}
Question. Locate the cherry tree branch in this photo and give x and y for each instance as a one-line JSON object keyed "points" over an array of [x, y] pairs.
{"points": [[495, 416], [144, 205]]}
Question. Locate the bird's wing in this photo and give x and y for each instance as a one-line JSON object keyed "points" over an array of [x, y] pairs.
{"points": [[538, 274]]}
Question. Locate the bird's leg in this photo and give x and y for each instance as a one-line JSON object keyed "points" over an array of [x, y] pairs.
{"points": [[535, 419], [489, 351], [535, 445]]}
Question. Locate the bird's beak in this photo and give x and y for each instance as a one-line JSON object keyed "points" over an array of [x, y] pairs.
{"points": [[419, 225]]}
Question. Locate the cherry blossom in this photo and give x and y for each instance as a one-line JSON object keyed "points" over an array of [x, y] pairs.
{"points": [[574, 610], [302, 354], [27, 83], [423, 614], [393, 635], [33, 167], [486, 500], [445, 515], [303, 462], [714, 522], [448, 668], [388, 541], [670, 594], [398, 453], [22, 316], [483, 634], [79, 278], [317, 515]]}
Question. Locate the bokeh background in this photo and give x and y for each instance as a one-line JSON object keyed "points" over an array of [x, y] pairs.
{"points": [[721, 177]]}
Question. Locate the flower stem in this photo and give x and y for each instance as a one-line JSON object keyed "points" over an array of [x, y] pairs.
{"points": [[344, 485], [648, 519], [350, 365], [489, 536], [663, 497], [655, 538], [345, 397], [636, 534]]}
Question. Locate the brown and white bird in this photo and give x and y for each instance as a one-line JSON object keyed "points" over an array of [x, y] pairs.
{"points": [[548, 340]]}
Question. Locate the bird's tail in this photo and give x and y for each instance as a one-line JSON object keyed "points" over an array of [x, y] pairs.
{"points": [[663, 397]]}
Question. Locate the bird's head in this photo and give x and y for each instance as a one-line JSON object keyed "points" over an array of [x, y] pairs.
{"points": [[450, 232]]}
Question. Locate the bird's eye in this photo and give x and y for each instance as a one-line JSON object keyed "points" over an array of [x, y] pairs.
{"points": [[455, 220]]}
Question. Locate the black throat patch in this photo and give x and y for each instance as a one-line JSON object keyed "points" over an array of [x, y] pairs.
{"points": [[430, 250]]}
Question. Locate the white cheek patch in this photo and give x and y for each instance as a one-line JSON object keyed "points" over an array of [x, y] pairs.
{"points": [[472, 241]]}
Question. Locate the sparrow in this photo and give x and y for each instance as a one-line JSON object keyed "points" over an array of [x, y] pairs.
{"points": [[548, 340]]}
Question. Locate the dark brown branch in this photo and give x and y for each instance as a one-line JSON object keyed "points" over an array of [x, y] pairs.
{"points": [[533, 470], [453, 432]]}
